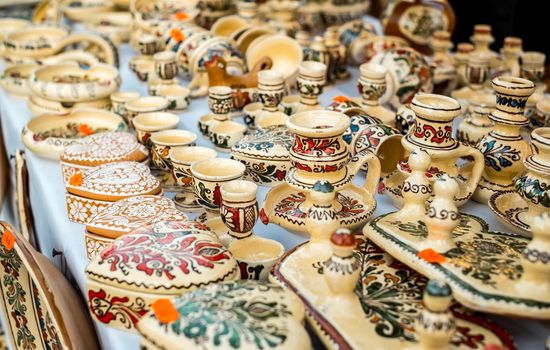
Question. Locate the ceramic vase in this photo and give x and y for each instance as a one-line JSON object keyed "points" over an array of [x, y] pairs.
{"points": [[504, 148], [310, 82], [371, 86], [239, 207], [475, 126]]}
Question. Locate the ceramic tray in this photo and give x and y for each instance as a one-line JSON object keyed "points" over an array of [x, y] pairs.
{"points": [[389, 299], [47, 135], [482, 270]]}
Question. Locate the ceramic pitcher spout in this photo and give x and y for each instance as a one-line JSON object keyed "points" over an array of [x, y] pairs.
{"points": [[374, 169]]}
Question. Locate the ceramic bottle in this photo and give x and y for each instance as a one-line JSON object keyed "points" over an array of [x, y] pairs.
{"points": [[504, 149], [371, 86]]}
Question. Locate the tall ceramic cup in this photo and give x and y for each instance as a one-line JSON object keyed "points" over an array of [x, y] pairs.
{"points": [[165, 64], [310, 82], [271, 86], [239, 207]]}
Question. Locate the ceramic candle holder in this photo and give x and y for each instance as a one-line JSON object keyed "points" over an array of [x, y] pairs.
{"points": [[164, 140], [220, 100], [310, 82], [209, 175], [118, 102], [256, 256], [148, 123], [271, 86], [165, 65], [145, 104], [372, 86], [239, 207]]}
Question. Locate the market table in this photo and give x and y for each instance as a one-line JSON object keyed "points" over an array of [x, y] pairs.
{"points": [[56, 233]]}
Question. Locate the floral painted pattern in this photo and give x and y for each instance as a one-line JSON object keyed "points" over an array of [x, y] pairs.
{"points": [[498, 155]]}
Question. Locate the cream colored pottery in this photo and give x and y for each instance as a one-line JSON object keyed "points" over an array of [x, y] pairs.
{"points": [[163, 141], [372, 86], [119, 99], [239, 209], [233, 306], [226, 26], [8, 25], [256, 256], [542, 113], [155, 17], [143, 66], [177, 96], [95, 244], [289, 104], [251, 112], [268, 119], [38, 106], [475, 126], [310, 82], [204, 123], [144, 104], [285, 53], [221, 47], [14, 79], [476, 74], [125, 279], [70, 83], [148, 123], [246, 38], [382, 140], [226, 134], [99, 149], [114, 25], [80, 10], [48, 135]]}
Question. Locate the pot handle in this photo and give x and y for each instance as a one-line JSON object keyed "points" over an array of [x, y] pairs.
{"points": [[108, 51], [479, 165], [373, 172]]}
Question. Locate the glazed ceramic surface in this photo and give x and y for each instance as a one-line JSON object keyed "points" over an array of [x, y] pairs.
{"points": [[149, 123], [38, 106], [14, 79], [285, 53], [147, 104]]}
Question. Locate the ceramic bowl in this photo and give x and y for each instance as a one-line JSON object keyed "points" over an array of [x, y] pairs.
{"points": [[177, 95], [251, 34], [8, 25], [226, 26], [226, 133], [256, 256], [209, 175], [39, 106], [285, 53], [205, 123], [148, 123], [116, 26], [183, 157], [33, 42], [47, 135], [80, 10], [119, 99], [145, 104], [143, 66], [14, 79], [251, 112], [164, 140], [70, 83]]}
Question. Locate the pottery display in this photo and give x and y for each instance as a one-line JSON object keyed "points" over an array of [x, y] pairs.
{"points": [[477, 73], [461, 56], [338, 54], [125, 279], [165, 140], [511, 52], [151, 122], [382, 140], [256, 315], [271, 89], [372, 86], [504, 148], [475, 126], [48, 135]]}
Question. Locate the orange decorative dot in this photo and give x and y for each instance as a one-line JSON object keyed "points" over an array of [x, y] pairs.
{"points": [[165, 311], [84, 129], [431, 256], [8, 240], [340, 98], [177, 35], [76, 179], [181, 16]]}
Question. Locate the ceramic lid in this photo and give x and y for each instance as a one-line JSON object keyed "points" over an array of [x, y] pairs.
{"points": [[272, 143], [164, 258], [233, 315], [114, 181], [128, 214], [104, 148]]}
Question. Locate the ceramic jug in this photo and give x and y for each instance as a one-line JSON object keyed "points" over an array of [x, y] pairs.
{"points": [[320, 152]]}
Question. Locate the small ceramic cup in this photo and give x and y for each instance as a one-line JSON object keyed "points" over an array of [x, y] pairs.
{"points": [[226, 134], [220, 99], [256, 256], [542, 114], [250, 114], [268, 119], [290, 104], [147, 45], [205, 121], [164, 140], [148, 123], [183, 157], [165, 65], [371, 83], [118, 102], [271, 87], [144, 104], [239, 207], [310, 82], [177, 95], [209, 175]]}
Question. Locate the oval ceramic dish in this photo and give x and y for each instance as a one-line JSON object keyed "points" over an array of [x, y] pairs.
{"points": [[38, 105], [35, 41], [80, 10], [70, 83], [15, 79], [114, 25], [47, 135]]}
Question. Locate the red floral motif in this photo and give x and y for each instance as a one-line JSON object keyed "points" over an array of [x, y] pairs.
{"points": [[107, 309], [429, 132], [217, 196], [304, 167], [280, 175], [381, 187], [316, 147]]}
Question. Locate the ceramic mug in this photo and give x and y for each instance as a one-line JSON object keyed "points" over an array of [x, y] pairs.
{"points": [[271, 87], [165, 64], [148, 123], [239, 207], [209, 175], [118, 102], [183, 157], [163, 141], [256, 256], [220, 99], [145, 104]]}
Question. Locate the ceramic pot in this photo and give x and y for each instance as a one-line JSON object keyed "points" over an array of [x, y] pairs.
{"points": [[318, 51], [15, 79], [163, 141], [239, 207], [149, 123], [310, 82], [118, 102], [177, 96], [145, 104], [271, 86], [220, 100], [504, 148], [477, 73], [165, 65], [372, 86], [256, 256], [225, 134]]}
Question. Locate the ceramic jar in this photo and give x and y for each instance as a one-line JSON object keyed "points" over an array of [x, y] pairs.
{"points": [[504, 148], [477, 73], [183, 157], [310, 82], [165, 65], [445, 72], [338, 54], [371, 86], [220, 101]]}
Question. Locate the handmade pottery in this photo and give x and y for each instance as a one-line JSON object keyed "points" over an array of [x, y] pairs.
{"points": [[204, 124], [251, 112], [542, 113], [14, 79], [251, 34], [148, 123], [332, 282], [225, 134], [114, 25], [124, 216], [477, 73], [143, 105], [125, 279], [357, 123], [461, 56], [318, 51], [475, 126], [482, 39], [91, 191], [443, 63], [165, 65], [78, 11], [43, 310], [433, 132], [143, 66], [511, 52], [48, 135], [338, 54], [118, 102], [372, 86], [504, 148], [290, 104], [225, 26], [220, 101], [38, 106], [98, 149], [271, 87], [239, 209], [409, 73], [163, 141], [256, 256], [156, 17], [310, 82], [484, 266], [382, 140], [343, 104], [368, 45], [233, 306], [532, 68], [182, 158]]}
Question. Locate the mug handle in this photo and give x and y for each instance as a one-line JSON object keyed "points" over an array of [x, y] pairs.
{"points": [[373, 173], [479, 164]]}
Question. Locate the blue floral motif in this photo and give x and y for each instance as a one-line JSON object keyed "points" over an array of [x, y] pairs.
{"points": [[498, 156]]}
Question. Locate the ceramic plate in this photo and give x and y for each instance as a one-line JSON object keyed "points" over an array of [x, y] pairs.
{"points": [[511, 210]]}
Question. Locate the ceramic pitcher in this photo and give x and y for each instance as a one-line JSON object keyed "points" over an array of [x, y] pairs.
{"points": [[319, 152]]}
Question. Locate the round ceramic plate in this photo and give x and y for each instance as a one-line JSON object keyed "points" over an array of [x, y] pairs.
{"points": [[511, 210]]}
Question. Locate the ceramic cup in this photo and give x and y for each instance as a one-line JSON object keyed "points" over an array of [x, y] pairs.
{"points": [[239, 207], [266, 120], [225, 134], [542, 114], [205, 122], [271, 87], [148, 123], [290, 104], [118, 102], [164, 140], [310, 82], [532, 65], [165, 64], [256, 256], [371, 83], [220, 99], [177, 95], [183, 157], [147, 45], [145, 104], [209, 175], [251, 112]]}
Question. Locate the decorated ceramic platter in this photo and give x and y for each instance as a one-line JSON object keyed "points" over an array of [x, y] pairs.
{"points": [[66, 82], [42, 309], [232, 315], [386, 301], [482, 270], [14, 79], [288, 207], [161, 260], [511, 210], [47, 135]]}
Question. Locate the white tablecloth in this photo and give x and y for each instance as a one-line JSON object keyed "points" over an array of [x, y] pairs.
{"points": [[55, 231]]}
